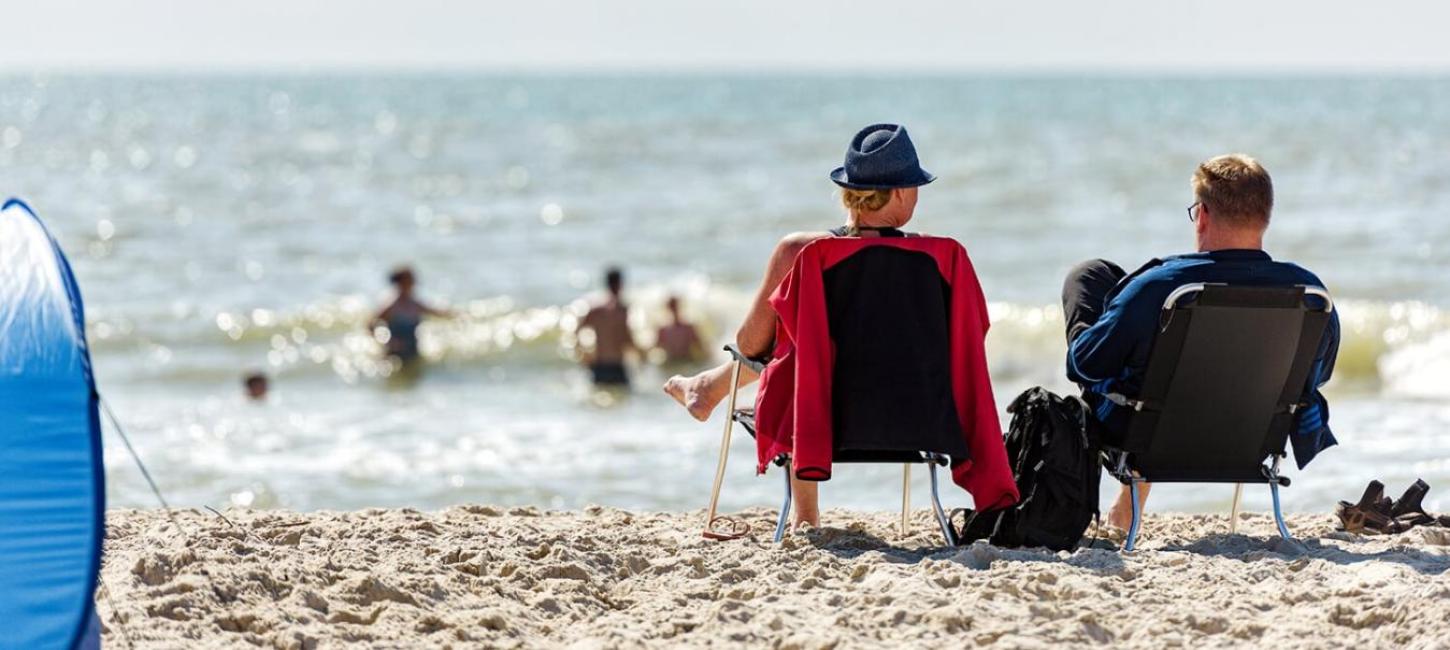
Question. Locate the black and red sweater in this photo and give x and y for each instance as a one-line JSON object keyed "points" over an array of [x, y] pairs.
{"points": [[880, 346]]}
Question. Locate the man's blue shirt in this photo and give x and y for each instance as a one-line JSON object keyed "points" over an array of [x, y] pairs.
{"points": [[1112, 355]]}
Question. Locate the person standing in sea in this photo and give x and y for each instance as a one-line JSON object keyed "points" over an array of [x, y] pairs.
{"points": [[396, 326], [608, 322], [678, 339]]}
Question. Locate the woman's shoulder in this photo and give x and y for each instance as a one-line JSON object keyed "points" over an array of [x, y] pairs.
{"points": [[794, 242], [805, 237]]}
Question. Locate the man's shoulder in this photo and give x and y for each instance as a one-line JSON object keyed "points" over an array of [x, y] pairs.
{"points": [[606, 306], [1161, 276], [1304, 275], [1158, 274]]}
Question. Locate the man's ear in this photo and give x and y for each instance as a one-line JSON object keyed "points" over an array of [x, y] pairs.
{"points": [[1201, 225]]}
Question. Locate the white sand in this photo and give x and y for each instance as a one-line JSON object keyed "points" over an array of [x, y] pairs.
{"points": [[473, 577]]}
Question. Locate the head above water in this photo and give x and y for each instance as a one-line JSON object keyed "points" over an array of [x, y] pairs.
{"points": [[403, 279], [614, 280], [1233, 199], [255, 385]]}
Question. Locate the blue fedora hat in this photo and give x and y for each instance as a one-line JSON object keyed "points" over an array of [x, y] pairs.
{"points": [[881, 157]]}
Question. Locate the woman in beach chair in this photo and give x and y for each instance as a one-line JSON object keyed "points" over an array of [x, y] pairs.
{"points": [[879, 182]]}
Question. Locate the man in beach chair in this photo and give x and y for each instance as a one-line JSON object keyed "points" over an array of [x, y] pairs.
{"points": [[877, 340], [1116, 321]]}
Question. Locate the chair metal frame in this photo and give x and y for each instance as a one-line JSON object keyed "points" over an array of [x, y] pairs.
{"points": [[746, 419], [1119, 465]]}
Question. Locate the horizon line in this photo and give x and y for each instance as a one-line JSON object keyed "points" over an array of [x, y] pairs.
{"points": [[734, 70]]}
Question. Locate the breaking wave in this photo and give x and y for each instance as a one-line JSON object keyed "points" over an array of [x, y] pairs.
{"points": [[1401, 348]]}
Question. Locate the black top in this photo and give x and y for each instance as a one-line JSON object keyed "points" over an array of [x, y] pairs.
{"points": [[888, 310], [884, 231]]}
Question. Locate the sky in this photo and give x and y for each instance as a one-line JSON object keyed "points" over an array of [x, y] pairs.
{"points": [[1245, 36]]}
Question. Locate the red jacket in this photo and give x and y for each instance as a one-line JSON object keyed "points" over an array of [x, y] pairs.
{"points": [[793, 405]]}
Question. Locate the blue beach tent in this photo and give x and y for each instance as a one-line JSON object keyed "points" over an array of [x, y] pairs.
{"points": [[52, 483]]}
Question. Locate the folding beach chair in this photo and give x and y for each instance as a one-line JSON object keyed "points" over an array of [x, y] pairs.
{"points": [[1224, 382], [872, 395], [746, 419]]}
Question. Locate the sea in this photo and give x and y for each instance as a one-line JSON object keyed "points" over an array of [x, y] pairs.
{"points": [[220, 225]]}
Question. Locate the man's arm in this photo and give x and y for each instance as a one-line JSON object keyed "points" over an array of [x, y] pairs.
{"points": [[1311, 430], [629, 342], [1328, 353], [1319, 375], [1103, 350]]}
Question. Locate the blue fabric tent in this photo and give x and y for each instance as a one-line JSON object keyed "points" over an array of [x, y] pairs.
{"points": [[52, 482]]}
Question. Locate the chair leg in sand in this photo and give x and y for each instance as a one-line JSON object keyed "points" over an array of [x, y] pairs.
{"points": [[941, 514], [784, 507], [712, 519], [905, 497], [1121, 471], [1233, 514]]}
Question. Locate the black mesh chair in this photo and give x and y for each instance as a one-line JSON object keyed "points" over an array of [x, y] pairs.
{"points": [[883, 410], [1223, 387]]}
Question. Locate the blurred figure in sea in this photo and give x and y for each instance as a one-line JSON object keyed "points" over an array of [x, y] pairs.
{"points": [[608, 322], [401, 318], [678, 339], [255, 384]]}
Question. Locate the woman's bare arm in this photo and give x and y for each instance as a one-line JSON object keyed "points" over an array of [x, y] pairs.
{"points": [[758, 331], [435, 311], [381, 318]]}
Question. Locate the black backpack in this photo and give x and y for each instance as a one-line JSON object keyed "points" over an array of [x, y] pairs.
{"points": [[1052, 445]]}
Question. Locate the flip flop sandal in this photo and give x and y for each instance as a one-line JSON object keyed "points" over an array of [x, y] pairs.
{"points": [[723, 528], [1408, 508], [1371, 514]]}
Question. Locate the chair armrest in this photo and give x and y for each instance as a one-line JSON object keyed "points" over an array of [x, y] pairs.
{"points": [[757, 365]]}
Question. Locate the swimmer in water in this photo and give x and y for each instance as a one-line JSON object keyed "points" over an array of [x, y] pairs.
{"points": [[609, 321], [255, 384], [678, 339], [402, 317]]}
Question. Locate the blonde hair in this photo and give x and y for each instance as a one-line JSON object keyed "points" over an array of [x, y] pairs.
{"points": [[1236, 188], [864, 200]]}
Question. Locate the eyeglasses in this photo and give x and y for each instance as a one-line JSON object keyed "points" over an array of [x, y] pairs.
{"points": [[1192, 214]]}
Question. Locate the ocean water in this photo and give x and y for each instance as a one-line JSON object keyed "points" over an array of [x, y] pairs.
{"points": [[220, 224]]}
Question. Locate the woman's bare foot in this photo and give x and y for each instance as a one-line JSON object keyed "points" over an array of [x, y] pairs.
{"points": [[807, 504], [804, 520], [698, 394]]}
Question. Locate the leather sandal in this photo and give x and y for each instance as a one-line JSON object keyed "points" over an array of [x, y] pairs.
{"points": [[1409, 510], [1371, 514]]}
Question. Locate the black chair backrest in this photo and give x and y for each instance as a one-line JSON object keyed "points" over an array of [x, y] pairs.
{"points": [[1226, 374], [889, 314]]}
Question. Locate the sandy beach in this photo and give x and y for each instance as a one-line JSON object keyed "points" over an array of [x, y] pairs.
{"points": [[479, 576]]}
